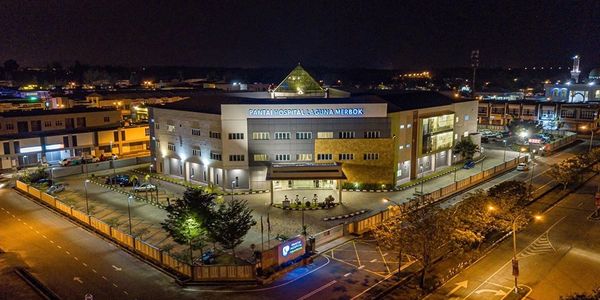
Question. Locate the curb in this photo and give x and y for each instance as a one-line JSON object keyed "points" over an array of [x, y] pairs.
{"points": [[356, 213], [37, 285]]}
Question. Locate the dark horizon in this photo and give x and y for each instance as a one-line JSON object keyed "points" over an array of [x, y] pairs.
{"points": [[334, 34]]}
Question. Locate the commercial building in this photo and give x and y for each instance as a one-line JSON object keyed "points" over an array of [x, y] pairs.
{"points": [[573, 105], [30, 137], [300, 135]]}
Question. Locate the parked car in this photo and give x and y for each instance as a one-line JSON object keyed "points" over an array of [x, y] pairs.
{"points": [[208, 258], [71, 161], [55, 188], [468, 165], [45, 181], [522, 167], [144, 187], [88, 158], [118, 179], [485, 139], [108, 156]]}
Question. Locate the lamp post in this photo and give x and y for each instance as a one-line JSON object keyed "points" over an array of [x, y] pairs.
{"points": [[87, 205], [455, 168], [129, 211], [232, 187], [504, 149], [112, 158], [515, 261], [422, 181], [584, 127], [387, 200], [532, 170]]}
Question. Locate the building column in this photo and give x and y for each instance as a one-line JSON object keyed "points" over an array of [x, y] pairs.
{"points": [[339, 183]]}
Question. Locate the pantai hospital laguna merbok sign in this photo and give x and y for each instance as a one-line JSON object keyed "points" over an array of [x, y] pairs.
{"points": [[291, 249], [307, 112]]}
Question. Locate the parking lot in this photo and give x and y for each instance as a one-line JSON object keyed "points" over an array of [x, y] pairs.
{"points": [[365, 255]]}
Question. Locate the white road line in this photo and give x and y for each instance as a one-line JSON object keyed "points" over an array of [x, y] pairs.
{"points": [[37, 232], [318, 290], [84, 264], [368, 289], [356, 251], [75, 257], [51, 241], [125, 292], [58, 246], [580, 204], [115, 285], [508, 262], [347, 274], [373, 260], [384, 254], [361, 267], [44, 236], [94, 270], [103, 277], [68, 253]]}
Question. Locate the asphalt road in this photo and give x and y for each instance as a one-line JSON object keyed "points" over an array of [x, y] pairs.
{"points": [[558, 256]]}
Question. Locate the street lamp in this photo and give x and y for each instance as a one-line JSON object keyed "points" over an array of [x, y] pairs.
{"points": [[87, 205], [129, 211], [387, 200], [504, 149], [232, 187], [584, 127], [422, 181], [455, 168], [515, 261]]}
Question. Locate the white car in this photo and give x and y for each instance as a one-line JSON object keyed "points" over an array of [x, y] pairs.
{"points": [[144, 187], [522, 167]]}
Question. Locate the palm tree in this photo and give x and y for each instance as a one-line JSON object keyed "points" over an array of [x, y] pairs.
{"points": [[466, 148]]}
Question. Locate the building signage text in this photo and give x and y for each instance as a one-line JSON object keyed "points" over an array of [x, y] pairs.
{"points": [[301, 112]]}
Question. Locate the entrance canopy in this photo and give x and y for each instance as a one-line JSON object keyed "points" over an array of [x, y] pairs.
{"points": [[305, 171]]}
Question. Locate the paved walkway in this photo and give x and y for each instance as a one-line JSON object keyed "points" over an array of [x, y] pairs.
{"points": [[112, 207]]}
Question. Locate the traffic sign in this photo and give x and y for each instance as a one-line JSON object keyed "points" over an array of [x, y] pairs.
{"points": [[515, 267]]}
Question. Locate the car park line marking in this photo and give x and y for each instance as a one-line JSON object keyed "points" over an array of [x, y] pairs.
{"points": [[84, 264], [19, 219], [58, 246], [125, 292], [115, 285], [384, 261], [356, 251], [361, 267], [347, 274], [373, 260], [75, 257], [68, 253], [37, 232], [94, 270], [104, 277], [318, 290]]}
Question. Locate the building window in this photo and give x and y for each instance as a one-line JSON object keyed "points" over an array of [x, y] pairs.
{"points": [[196, 132], [123, 136], [10, 126], [6, 147], [409, 126], [325, 135], [466, 134], [261, 157], [372, 134], [346, 134], [282, 135], [196, 151], [402, 126], [47, 123], [466, 118], [303, 135], [215, 135], [407, 145], [215, 156], [401, 147], [106, 119], [261, 135], [171, 128], [171, 146], [282, 157], [371, 156], [597, 94], [345, 156], [324, 156], [587, 114], [36, 125], [236, 136], [566, 113], [482, 110], [58, 123], [236, 157], [157, 126], [304, 157]]}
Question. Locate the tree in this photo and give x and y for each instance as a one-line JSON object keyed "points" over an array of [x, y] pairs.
{"points": [[187, 219], [231, 222], [472, 221], [421, 233], [594, 295], [566, 172], [514, 191], [466, 148], [11, 65], [508, 205]]}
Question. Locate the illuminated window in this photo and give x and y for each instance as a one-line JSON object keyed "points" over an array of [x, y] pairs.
{"points": [[261, 157], [261, 136], [325, 135], [597, 94], [402, 126], [282, 135], [466, 134], [304, 157]]}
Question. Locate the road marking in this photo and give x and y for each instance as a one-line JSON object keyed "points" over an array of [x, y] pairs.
{"points": [[361, 267], [24, 222], [368, 289], [104, 277], [384, 254], [84, 264], [51, 241], [318, 290], [37, 232], [30, 227], [115, 285], [58, 246], [580, 204], [44, 236], [94, 270], [68, 253], [125, 292], [384, 261], [19, 219], [347, 274], [356, 251], [459, 285], [117, 268], [75, 257], [373, 260], [77, 279], [510, 261]]}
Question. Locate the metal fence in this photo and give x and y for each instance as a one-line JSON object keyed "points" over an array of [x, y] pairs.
{"points": [[365, 225], [167, 261], [58, 172]]}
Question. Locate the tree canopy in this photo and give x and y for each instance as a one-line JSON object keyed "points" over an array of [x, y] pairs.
{"points": [[466, 148]]}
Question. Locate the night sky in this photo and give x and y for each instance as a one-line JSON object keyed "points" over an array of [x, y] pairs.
{"points": [[248, 33]]}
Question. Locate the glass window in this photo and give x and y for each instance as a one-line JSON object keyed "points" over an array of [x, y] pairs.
{"points": [[171, 147], [304, 157], [371, 156], [346, 156], [346, 134], [372, 134], [282, 157], [325, 135], [303, 135], [215, 135], [236, 157], [195, 132], [236, 136], [282, 135], [260, 135], [324, 156], [261, 157]]}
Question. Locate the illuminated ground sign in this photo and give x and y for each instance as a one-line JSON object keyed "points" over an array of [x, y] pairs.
{"points": [[291, 249]]}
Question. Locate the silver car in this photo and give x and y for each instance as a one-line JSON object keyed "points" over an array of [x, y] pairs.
{"points": [[144, 187]]}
